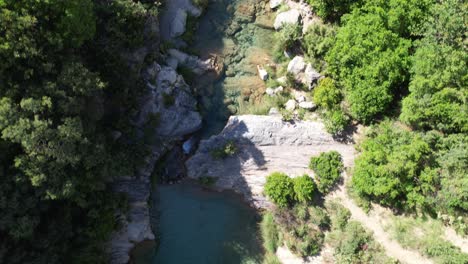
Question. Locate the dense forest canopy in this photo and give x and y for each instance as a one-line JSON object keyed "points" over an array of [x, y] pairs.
{"points": [[62, 95]]}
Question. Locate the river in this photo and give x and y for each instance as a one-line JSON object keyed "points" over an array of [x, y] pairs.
{"points": [[195, 225]]}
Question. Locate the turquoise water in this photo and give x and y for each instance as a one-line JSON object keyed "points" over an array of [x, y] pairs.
{"points": [[197, 226]]}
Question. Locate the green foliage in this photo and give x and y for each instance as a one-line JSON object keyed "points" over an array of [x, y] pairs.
{"points": [[327, 95], [332, 10], [394, 168], [317, 42], [438, 94], [207, 181], [285, 39], [301, 229], [280, 189], [269, 232], [339, 215], [227, 150], [452, 196], [356, 245], [335, 121], [304, 188], [427, 237], [370, 62], [327, 167], [60, 80]]}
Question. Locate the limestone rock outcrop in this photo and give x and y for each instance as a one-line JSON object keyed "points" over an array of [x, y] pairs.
{"points": [[265, 144], [174, 121]]}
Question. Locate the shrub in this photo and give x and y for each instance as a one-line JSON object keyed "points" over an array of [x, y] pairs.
{"points": [[335, 121], [317, 42], [207, 181], [339, 215], [327, 95], [327, 167], [227, 150], [280, 189], [304, 188], [269, 233], [356, 245]]}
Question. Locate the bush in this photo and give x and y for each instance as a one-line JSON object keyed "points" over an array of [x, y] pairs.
{"points": [[229, 149], [207, 181], [304, 188], [339, 215], [327, 95], [356, 245], [269, 233], [280, 189], [335, 121], [317, 41], [327, 167]]}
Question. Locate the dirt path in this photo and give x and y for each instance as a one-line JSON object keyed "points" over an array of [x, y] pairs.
{"points": [[375, 223], [455, 239]]}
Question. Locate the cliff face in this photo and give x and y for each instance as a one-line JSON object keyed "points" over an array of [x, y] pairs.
{"points": [[265, 144], [169, 102]]}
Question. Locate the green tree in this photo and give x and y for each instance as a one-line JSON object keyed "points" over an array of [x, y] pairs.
{"points": [[370, 62], [327, 167], [394, 168], [438, 94]]}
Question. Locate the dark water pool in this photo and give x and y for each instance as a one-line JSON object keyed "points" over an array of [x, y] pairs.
{"points": [[197, 226]]}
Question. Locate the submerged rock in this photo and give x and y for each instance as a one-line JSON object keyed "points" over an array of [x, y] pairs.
{"points": [[289, 17]]}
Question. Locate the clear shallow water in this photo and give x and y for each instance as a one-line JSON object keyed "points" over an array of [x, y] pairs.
{"points": [[235, 31], [197, 226]]}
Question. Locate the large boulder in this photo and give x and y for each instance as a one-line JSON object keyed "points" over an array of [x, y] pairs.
{"points": [[296, 66], [289, 17], [178, 23]]}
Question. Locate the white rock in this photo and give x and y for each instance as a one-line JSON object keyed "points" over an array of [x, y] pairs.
{"points": [[282, 80], [279, 89], [262, 73], [275, 3], [273, 111], [311, 76], [296, 65], [307, 105], [300, 98], [270, 91], [289, 17], [178, 23], [290, 105]]}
